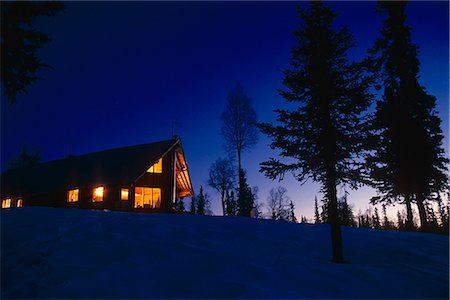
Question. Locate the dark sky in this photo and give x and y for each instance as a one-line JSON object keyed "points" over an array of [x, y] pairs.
{"points": [[124, 71]]}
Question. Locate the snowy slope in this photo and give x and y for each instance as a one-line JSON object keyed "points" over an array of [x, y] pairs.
{"points": [[70, 253]]}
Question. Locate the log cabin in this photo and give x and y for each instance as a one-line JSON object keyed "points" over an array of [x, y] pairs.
{"points": [[143, 178]]}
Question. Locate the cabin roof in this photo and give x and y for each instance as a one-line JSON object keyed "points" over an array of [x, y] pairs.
{"points": [[119, 166]]}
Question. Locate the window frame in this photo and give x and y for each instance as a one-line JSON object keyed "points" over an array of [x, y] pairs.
{"points": [[122, 194], [102, 187], [77, 193], [152, 201], [6, 203]]}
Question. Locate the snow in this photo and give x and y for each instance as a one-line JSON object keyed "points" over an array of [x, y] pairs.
{"points": [[71, 253]]}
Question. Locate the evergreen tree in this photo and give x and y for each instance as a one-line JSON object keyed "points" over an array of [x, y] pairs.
{"points": [[179, 205], [431, 218], [400, 221], [409, 161], [20, 44], [292, 217], [304, 220], [245, 196], [346, 216], [231, 204], [193, 205], [386, 222], [376, 219], [326, 130], [316, 211], [201, 202], [365, 219]]}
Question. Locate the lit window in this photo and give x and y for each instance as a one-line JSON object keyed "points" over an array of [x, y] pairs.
{"points": [[19, 203], [124, 194], [97, 196], [72, 195], [156, 168], [6, 203], [147, 197]]}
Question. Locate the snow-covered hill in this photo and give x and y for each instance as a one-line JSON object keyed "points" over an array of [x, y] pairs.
{"points": [[70, 253]]}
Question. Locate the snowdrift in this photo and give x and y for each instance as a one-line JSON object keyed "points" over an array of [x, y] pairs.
{"points": [[70, 253]]}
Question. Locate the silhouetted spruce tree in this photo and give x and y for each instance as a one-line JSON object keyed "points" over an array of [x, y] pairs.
{"points": [[400, 221], [409, 162], [386, 222], [325, 131], [345, 212], [316, 211], [245, 196], [231, 204], [20, 43], [292, 217], [376, 219], [364, 219], [179, 205], [193, 205], [201, 202]]}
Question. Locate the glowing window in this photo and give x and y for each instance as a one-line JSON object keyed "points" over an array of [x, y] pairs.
{"points": [[97, 195], [147, 197], [156, 168], [124, 194], [6, 203], [19, 203], [72, 195]]}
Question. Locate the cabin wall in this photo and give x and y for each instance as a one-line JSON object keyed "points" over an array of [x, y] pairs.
{"points": [[112, 193]]}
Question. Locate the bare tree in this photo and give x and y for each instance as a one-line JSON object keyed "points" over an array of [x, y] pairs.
{"points": [[221, 178], [239, 122], [278, 203]]}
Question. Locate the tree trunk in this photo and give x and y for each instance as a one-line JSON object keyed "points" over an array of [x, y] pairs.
{"points": [[336, 237], [239, 166], [409, 216], [422, 211], [239, 161], [222, 194]]}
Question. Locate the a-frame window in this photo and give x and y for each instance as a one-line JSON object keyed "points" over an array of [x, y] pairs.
{"points": [[156, 168]]}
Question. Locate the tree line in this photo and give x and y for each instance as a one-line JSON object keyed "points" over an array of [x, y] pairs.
{"points": [[333, 136]]}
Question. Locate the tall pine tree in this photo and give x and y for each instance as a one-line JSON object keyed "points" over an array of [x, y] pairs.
{"points": [[245, 196], [409, 162], [201, 202], [325, 132], [316, 211]]}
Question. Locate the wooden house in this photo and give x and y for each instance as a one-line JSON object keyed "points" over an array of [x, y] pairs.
{"points": [[147, 177]]}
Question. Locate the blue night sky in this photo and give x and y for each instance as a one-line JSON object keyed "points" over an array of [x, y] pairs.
{"points": [[124, 71]]}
